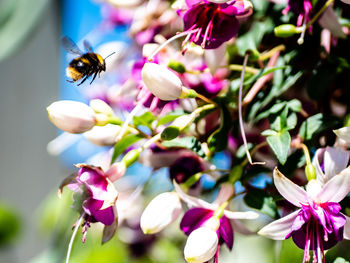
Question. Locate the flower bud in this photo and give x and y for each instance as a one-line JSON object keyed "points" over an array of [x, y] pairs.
{"points": [[131, 157], [99, 106], [310, 172], [116, 171], [201, 245], [160, 212], [177, 66], [163, 83], [71, 116], [103, 135], [286, 30]]}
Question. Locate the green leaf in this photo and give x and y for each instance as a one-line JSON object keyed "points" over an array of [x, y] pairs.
{"points": [[217, 141], [291, 121], [9, 225], [259, 199], [253, 37], [314, 125], [145, 119], [170, 116], [269, 132], [294, 105], [340, 260], [190, 143], [279, 122], [123, 144], [280, 145], [241, 150]]}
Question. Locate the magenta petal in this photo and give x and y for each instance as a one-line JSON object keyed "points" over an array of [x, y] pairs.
{"points": [[226, 232], [105, 216], [194, 218], [93, 176]]}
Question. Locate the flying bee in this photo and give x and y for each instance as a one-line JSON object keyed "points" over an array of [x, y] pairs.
{"points": [[86, 65]]}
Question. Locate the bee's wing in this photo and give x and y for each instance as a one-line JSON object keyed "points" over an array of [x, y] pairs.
{"points": [[88, 47], [70, 46]]}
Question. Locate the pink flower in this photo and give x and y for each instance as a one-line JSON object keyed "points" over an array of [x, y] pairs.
{"points": [[211, 24], [97, 196], [318, 224]]}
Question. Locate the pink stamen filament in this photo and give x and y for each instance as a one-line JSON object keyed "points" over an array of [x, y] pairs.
{"points": [[207, 33], [188, 32]]}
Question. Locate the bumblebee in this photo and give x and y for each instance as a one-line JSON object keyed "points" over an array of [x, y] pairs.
{"points": [[86, 65]]}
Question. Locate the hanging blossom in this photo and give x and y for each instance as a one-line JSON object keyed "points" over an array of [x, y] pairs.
{"points": [[302, 8], [204, 218], [211, 23], [318, 224], [95, 196]]}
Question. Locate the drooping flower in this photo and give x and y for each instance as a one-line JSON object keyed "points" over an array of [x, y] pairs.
{"points": [[95, 196], [210, 24], [302, 8], [318, 224], [215, 217]]}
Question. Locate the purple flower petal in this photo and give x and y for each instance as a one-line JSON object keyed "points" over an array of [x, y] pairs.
{"points": [[194, 218], [105, 216], [226, 232]]}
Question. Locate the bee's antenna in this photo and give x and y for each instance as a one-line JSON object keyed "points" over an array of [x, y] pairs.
{"points": [[109, 55]]}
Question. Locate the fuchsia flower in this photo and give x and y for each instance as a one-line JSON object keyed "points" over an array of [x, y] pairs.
{"points": [[318, 224], [97, 194], [211, 216], [302, 8], [210, 24]]}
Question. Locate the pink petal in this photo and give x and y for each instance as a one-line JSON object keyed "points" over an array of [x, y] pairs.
{"points": [[336, 189], [330, 21], [347, 228], [289, 190], [279, 229], [346, 1]]}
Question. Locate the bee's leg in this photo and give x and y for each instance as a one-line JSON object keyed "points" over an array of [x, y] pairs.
{"points": [[94, 77], [71, 81], [83, 80]]}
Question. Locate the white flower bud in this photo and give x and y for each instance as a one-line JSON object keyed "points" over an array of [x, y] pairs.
{"points": [[125, 3], [103, 135], [99, 106], [162, 82], [160, 212], [201, 245], [71, 116]]}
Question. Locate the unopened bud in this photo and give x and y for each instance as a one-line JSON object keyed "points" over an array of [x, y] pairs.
{"points": [[162, 82], [236, 173], [99, 106], [286, 30], [103, 135], [116, 171], [310, 172], [160, 212], [177, 66], [71, 116], [201, 245]]}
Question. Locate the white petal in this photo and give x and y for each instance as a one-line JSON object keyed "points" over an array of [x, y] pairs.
{"points": [[335, 189], [201, 245], [315, 161], [214, 58], [335, 160], [160, 212], [347, 228], [289, 190], [241, 215], [343, 133], [193, 201], [279, 229]]}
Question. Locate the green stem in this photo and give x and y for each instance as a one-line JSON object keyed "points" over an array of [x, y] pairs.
{"points": [[320, 12]]}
